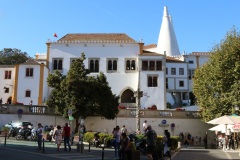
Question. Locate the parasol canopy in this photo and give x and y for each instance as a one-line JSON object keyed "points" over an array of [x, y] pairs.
{"points": [[226, 119]]}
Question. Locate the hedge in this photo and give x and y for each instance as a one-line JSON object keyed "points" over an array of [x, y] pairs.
{"points": [[106, 139]]}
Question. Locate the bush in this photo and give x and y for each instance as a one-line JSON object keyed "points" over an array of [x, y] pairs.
{"points": [[6, 129], [89, 136]]}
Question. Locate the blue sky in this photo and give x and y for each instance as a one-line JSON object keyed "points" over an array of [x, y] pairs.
{"points": [[198, 24]]}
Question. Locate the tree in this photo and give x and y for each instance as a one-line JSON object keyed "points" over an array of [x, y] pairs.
{"points": [[84, 95], [216, 84], [9, 56]]}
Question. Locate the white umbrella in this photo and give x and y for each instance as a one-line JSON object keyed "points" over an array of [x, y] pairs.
{"points": [[222, 128], [227, 119]]}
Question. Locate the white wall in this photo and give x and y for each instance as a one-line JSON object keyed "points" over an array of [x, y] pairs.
{"points": [[34, 119]]}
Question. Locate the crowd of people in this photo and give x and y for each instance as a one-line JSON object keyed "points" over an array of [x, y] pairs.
{"points": [[124, 143], [58, 135], [187, 139]]}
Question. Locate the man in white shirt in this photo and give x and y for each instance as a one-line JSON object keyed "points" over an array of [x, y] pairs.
{"points": [[145, 126]]}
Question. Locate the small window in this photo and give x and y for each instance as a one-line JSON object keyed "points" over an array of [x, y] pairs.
{"points": [[93, 65], [173, 71], [57, 64], [130, 64], [6, 90], [181, 83], [152, 81], [190, 62], [8, 74], [181, 71], [166, 83], [29, 72], [144, 65], [166, 71], [159, 66], [112, 65], [28, 94]]}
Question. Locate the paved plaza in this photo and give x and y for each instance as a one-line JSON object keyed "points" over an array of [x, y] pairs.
{"points": [[22, 150]]}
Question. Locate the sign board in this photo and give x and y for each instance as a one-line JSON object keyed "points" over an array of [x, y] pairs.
{"points": [[164, 121], [163, 125], [70, 118]]}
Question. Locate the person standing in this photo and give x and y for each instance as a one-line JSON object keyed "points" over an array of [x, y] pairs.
{"points": [[151, 141], [123, 146], [124, 129], [145, 126], [116, 136], [166, 140], [39, 135], [66, 136], [58, 137]]}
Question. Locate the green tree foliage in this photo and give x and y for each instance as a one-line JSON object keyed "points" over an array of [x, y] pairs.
{"points": [[216, 84], [84, 95], [9, 56]]}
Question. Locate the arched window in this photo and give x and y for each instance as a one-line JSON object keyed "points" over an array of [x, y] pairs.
{"points": [[128, 97], [114, 65], [133, 65], [109, 65], [128, 65]]}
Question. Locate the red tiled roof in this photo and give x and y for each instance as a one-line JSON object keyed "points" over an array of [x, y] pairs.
{"points": [[116, 37], [172, 59], [150, 46]]}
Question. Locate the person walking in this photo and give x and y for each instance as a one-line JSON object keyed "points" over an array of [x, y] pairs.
{"points": [[151, 142], [66, 136], [58, 137], [39, 136], [116, 136], [124, 129]]}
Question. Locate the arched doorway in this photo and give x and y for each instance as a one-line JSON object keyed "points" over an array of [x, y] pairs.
{"points": [[128, 97]]}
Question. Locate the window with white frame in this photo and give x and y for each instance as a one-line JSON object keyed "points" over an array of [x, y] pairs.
{"points": [[57, 64], [181, 71], [130, 64], [152, 80], [112, 65], [173, 71], [29, 72], [8, 74], [151, 65], [181, 83], [93, 65], [28, 93]]}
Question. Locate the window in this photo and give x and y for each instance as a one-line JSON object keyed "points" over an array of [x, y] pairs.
{"points": [[29, 72], [181, 71], [152, 81], [181, 83], [190, 62], [130, 64], [190, 73], [94, 65], [151, 65], [173, 71], [8, 74], [28, 93], [112, 65], [57, 64], [6, 90], [166, 83], [166, 70]]}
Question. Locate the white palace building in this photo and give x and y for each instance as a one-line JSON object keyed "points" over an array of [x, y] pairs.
{"points": [[158, 70]]}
